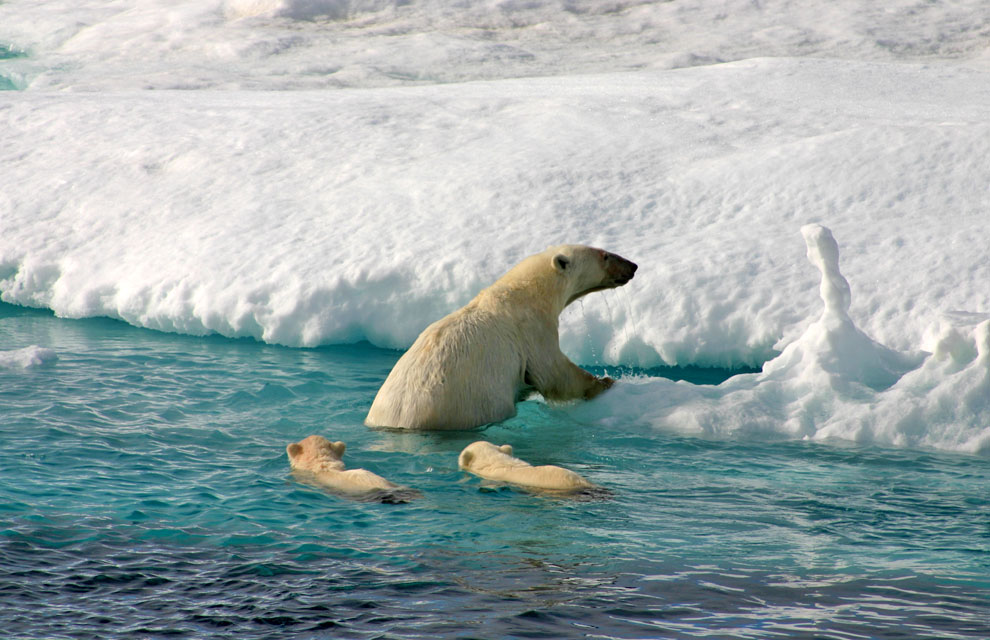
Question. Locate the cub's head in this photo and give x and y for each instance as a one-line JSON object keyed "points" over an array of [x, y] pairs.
{"points": [[587, 269], [316, 453], [482, 453]]}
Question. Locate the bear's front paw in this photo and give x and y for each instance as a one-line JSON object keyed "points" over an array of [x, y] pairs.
{"points": [[601, 384]]}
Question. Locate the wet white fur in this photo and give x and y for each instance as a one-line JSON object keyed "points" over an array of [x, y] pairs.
{"points": [[493, 462], [468, 368], [318, 460]]}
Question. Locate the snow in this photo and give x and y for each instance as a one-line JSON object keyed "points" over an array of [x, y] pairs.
{"points": [[833, 382], [307, 218], [319, 44], [324, 171]]}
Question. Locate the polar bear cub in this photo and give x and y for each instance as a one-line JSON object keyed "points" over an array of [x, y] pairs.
{"points": [[318, 460], [470, 367], [493, 462]]}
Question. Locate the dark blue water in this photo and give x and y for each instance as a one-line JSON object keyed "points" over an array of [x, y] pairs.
{"points": [[145, 493]]}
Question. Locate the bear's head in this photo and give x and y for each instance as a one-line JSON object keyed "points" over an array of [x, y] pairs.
{"points": [[316, 453], [587, 269], [482, 454]]}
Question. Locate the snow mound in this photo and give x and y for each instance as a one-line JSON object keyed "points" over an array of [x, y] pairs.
{"points": [[833, 381], [310, 218], [834, 347]]}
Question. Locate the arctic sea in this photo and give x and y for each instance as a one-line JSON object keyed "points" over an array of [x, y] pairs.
{"points": [[146, 494], [222, 221]]}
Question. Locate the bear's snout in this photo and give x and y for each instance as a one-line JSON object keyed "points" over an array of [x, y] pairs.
{"points": [[621, 270]]}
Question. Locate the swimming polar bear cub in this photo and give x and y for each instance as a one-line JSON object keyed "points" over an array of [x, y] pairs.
{"points": [[492, 462], [469, 368], [318, 460]]}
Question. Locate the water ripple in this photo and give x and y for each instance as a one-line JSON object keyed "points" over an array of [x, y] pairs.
{"points": [[144, 492]]}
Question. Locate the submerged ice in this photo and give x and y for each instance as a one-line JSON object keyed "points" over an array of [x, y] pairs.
{"points": [[27, 357], [833, 381]]}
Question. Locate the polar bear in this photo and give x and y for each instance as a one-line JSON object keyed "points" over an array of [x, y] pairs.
{"points": [[317, 461], [469, 368], [493, 462]]}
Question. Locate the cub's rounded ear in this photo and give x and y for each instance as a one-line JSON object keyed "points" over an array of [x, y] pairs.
{"points": [[294, 449], [561, 262], [506, 449], [465, 460], [338, 448]]}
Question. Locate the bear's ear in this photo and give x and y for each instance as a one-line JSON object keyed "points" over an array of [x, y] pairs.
{"points": [[506, 449], [465, 460], [338, 448], [561, 262], [294, 449]]}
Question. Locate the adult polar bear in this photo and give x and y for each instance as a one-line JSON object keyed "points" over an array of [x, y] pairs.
{"points": [[469, 368]]}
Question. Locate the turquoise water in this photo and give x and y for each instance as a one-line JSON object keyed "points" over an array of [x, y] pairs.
{"points": [[8, 52], [145, 493]]}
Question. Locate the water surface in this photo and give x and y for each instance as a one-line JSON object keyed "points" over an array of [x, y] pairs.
{"points": [[145, 492]]}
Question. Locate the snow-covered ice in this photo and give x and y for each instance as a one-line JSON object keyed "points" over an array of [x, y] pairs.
{"points": [[834, 381], [307, 218], [323, 171], [318, 44]]}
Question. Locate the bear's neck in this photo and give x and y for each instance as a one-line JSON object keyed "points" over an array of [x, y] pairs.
{"points": [[501, 462], [538, 294], [328, 466]]}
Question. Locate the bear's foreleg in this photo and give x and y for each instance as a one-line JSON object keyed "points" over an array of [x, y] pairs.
{"points": [[563, 380]]}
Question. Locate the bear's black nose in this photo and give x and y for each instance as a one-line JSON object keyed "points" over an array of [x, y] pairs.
{"points": [[620, 269]]}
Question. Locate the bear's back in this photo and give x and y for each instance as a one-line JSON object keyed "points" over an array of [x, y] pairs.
{"points": [[463, 371]]}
